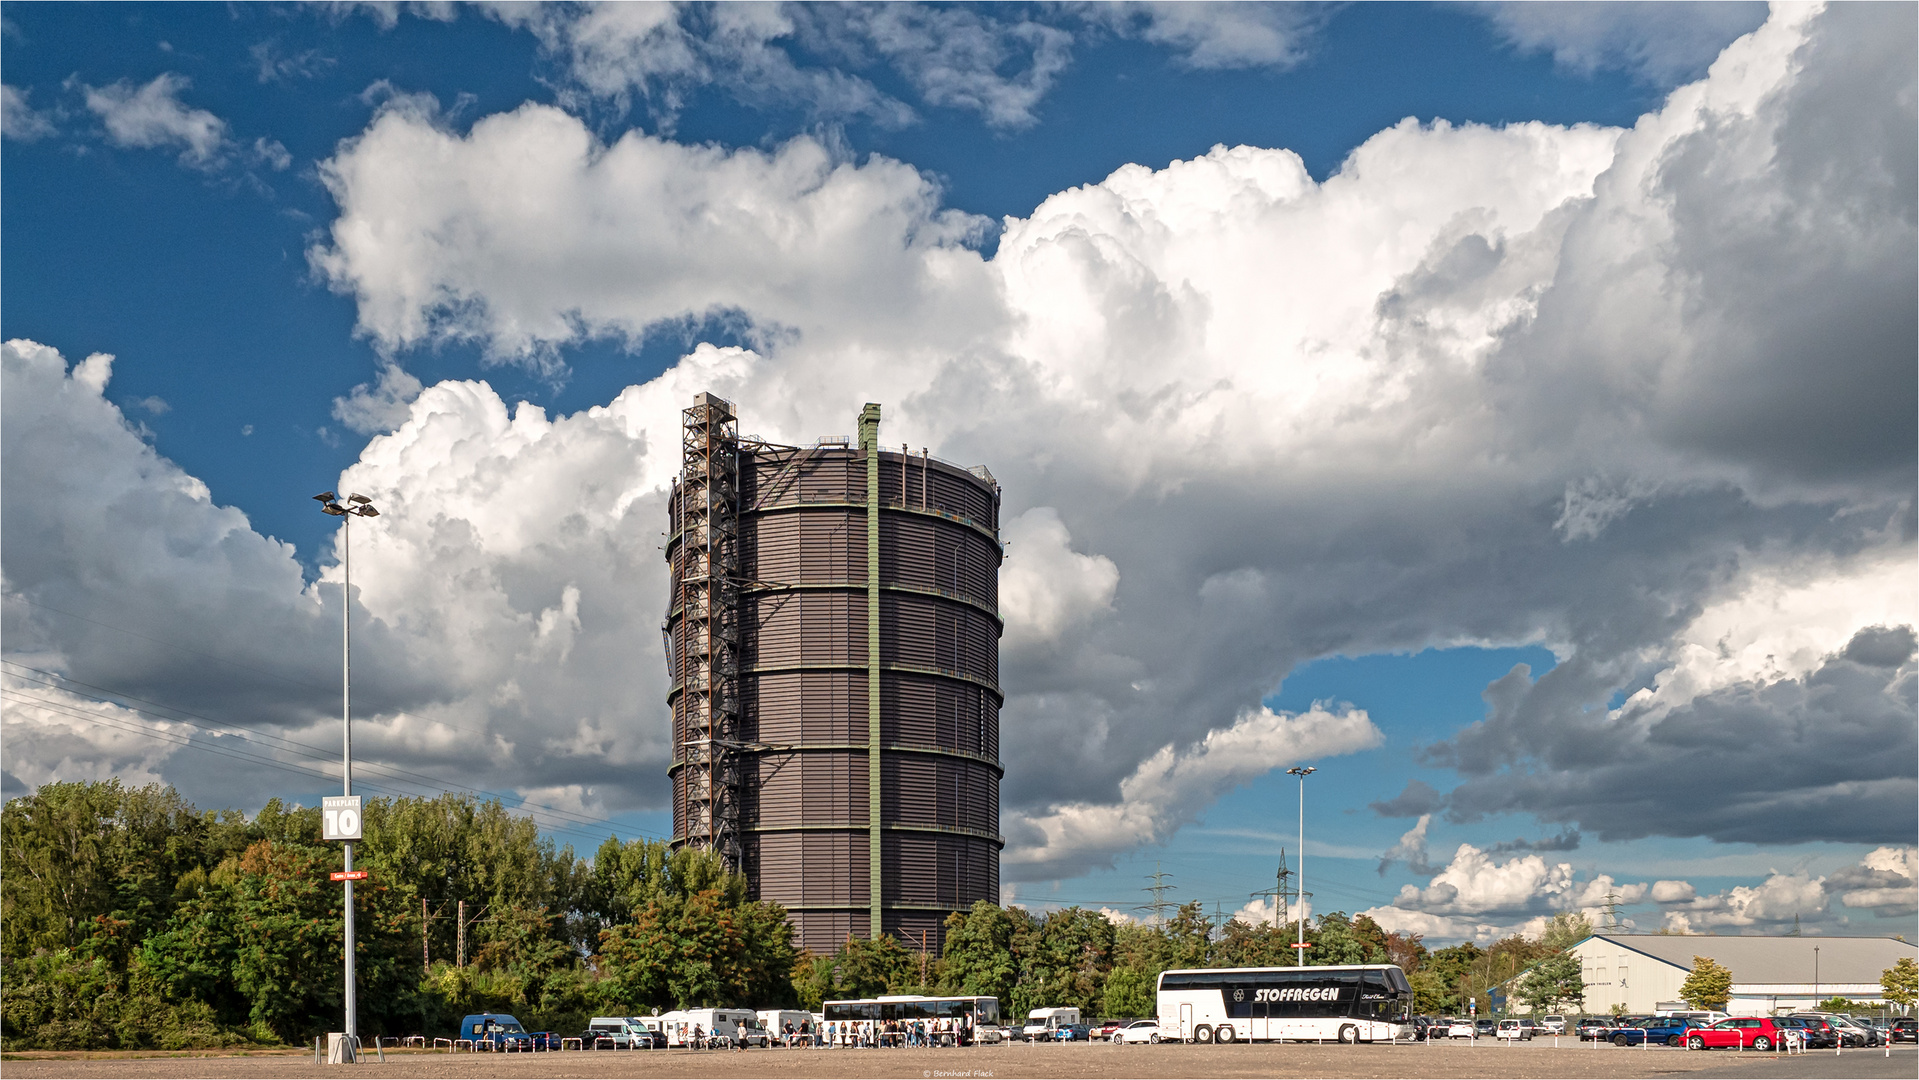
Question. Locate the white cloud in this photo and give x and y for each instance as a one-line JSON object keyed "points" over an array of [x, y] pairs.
{"points": [[1886, 880], [378, 407], [1663, 43], [1266, 910], [1045, 586], [1475, 884], [1775, 902], [18, 120], [154, 116], [1170, 789], [1672, 892], [1218, 35]]}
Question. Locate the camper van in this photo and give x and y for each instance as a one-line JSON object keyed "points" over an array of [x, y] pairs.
{"points": [[619, 1033], [734, 1026], [776, 1020], [1042, 1023]]}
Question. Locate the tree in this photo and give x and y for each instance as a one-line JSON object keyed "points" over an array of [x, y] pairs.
{"points": [[1130, 991], [979, 952], [1709, 986], [1901, 982], [1568, 928], [1553, 981]]}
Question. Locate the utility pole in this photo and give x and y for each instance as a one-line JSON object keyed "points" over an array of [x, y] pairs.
{"points": [[1280, 894], [1158, 888]]}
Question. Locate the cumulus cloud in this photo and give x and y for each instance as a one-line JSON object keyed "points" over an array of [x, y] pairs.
{"points": [[153, 115], [1046, 587], [1171, 788], [380, 406], [1477, 884], [1775, 902], [1886, 881], [1663, 44], [1643, 396], [19, 120]]}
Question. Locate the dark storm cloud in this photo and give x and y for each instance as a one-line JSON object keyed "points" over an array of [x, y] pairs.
{"points": [[1418, 798], [1828, 757]]}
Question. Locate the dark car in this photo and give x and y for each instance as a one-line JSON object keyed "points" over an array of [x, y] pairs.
{"points": [[1485, 1029], [1424, 1027], [1833, 1031], [1820, 1034], [1670, 1030], [1904, 1029]]}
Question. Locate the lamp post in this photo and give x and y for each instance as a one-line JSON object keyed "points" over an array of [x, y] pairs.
{"points": [[354, 506], [1815, 976], [1302, 771]]}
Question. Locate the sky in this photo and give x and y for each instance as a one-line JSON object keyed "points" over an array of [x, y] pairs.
{"points": [[1508, 410]]}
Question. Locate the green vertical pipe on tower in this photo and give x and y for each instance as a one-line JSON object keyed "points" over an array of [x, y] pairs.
{"points": [[870, 446]]}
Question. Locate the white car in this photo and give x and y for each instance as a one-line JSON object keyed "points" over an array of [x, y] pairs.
{"points": [[1462, 1029], [1515, 1029], [1139, 1031]]}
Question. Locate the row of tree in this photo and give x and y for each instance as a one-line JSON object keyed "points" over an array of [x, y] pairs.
{"points": [[130, 919]]}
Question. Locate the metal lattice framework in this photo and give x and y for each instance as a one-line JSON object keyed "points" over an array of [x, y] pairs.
{"points": [[708, 755]]}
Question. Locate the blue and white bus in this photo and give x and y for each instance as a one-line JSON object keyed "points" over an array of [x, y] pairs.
{"points": [[1336, 1003]]}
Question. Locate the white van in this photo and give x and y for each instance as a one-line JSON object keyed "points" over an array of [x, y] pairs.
{"points": [[776, 1020], [736, 1026], [1041, 1023], [626, 1033]]}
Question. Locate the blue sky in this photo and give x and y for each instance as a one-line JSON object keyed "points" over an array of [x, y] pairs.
{"points": [[1444, 465]]}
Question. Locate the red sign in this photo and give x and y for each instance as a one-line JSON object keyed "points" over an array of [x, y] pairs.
{"points": [[1308, 945], [348, 875]]}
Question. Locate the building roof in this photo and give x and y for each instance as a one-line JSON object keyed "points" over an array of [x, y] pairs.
{"points": [[1761, 960]]}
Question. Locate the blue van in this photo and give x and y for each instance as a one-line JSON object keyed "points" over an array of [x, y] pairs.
{"points": [[495, 1031]]}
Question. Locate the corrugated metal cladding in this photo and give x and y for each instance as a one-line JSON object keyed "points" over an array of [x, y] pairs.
{"points": [[804, 689]]}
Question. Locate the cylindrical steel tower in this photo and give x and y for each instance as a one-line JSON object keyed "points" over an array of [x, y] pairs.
{"points": [[835, 618]]}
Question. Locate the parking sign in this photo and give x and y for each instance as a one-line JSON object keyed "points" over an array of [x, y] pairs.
{"points": [[340, 817]]}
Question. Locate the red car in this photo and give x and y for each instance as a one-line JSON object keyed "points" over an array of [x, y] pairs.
{"points": [[1753, 1032]]}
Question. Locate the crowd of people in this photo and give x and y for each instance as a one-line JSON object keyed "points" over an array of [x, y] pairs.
{"points": [[849, 1034]]}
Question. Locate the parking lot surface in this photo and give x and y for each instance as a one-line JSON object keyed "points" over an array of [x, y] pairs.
{"points": [[1540, 1059]]}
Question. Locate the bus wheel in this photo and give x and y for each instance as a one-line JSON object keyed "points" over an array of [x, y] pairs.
{"points": [[1348, 1033], [1224, 1034], [1203, 1033]]}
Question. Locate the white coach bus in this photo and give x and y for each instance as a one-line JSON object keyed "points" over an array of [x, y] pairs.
{"points": [[1336, 1003]]}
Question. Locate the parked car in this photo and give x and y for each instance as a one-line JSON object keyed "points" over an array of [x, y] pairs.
{"points": [[1425, 1027], [1071, 1033], [1514, 1029], [1552, 1024], [1904, 1029], [1854, 1032], [1485, 1028], [494, 1031], [1749, 1032], [1670, 1030], [1595, 1029], [1108, 1028], [1139, 1031], [1820, 1034], [1461, 1029]]}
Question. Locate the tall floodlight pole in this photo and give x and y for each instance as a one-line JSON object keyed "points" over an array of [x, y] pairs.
{"points": [[355, 506], [1302, 771]]}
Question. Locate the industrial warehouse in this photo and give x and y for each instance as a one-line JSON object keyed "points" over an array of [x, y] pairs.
{"points": [[833, 650]]}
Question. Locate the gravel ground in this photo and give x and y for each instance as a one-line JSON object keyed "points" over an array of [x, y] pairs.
{"points": [[1015, 1062]]}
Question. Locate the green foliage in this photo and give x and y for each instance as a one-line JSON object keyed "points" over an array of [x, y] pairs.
{"points": [[1901, 982], [1709, 986], [1566, 929], [1552, 982], [1836, 1004], [979, 951]]}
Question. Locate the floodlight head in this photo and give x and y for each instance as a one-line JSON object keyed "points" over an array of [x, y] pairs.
{"points": [[1301, 771], [334, 509], [358, 498], [366, 510], [324, 496]]}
